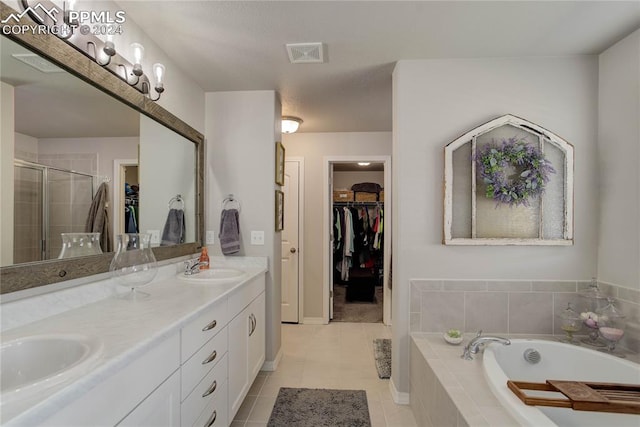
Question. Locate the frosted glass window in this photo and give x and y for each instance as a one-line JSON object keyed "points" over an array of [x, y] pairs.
{"points": [[473, 218]]}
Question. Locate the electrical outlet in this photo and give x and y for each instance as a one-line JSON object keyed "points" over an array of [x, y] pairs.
{"points": [[257, 238], [210, 238], [155, 236]]}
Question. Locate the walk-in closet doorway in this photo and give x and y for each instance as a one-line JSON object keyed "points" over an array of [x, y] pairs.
{"points": [[357, 239]]}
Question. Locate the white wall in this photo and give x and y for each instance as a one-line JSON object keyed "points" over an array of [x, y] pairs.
{"points": [[618, 160], [26, 147], [7, 135], [314, 147], [241, 129], [435, 101]]}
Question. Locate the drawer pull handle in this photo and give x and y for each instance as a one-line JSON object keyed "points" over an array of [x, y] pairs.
{"points": [[211, 358], [211, 420], [210, 326], [211, 389]]}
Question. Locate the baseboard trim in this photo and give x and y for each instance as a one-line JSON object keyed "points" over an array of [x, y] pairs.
{"points": [[313, 321], [272, 365], [400, 398]]}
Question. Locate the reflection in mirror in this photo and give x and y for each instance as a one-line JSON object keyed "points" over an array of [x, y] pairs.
{"points": [[67, 139]]}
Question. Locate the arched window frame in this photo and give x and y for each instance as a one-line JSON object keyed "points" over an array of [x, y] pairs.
{"points": [[470, 137]]}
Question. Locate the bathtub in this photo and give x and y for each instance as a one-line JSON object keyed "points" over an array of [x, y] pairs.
{"points": [[562, 362]]}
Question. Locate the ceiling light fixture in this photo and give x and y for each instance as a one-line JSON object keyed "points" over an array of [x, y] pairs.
{"points": [[290, 124], [364, 163], [102, 52]]}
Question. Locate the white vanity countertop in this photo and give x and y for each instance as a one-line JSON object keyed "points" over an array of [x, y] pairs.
{"points": [[127, 329]]}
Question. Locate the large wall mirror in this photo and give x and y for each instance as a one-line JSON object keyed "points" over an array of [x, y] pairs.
{"points": [[67, 136]]}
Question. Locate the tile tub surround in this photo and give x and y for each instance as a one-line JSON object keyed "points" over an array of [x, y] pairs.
{"points": [[510, 307], [449, 391], [126, 328]]}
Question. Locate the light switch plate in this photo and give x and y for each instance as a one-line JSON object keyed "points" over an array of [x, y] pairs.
{"points": [[155, 236], [257, 238], [210, 238]]}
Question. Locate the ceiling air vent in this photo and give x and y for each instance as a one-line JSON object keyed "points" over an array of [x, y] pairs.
{"points": [[305, 53], [37, 62]]}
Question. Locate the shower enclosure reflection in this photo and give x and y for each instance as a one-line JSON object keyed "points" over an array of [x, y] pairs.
{"points": [[48, 202]]}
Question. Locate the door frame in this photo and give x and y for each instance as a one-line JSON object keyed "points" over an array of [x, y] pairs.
{"points": [[301, 253], [327, 257], [118, 191]]}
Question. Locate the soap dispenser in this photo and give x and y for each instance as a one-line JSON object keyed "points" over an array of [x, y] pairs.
{"points": [[204, 258]]}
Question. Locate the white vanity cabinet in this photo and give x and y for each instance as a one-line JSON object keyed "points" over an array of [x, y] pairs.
{"points": [[246, 340], [196, 374], [125, 398], [204, 368]]}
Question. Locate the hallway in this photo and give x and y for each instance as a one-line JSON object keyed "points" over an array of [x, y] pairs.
{"points": [[338, 356]]}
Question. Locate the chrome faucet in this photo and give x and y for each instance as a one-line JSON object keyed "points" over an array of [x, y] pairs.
{"points": [[192, 266], [479, 340]]}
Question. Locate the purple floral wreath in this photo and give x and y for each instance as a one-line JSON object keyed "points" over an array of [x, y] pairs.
{"points": [[531, 175]]}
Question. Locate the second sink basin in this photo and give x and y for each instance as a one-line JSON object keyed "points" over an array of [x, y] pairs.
{"points": [[32, 364], [214, 275]]}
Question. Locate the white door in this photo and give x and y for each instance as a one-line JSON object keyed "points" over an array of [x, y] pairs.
{"points": [[290, 242]]}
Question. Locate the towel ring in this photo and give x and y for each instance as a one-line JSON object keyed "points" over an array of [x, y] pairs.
{"points": [[228, 202], [177, 199]]}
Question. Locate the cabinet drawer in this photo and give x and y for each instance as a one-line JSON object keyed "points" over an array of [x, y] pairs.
{"points": [[203, 328], [215, 413], [202, 395], [194, 370], [247, 293]]}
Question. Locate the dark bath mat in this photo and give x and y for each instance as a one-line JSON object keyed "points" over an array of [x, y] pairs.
{"points": [[382, 356], [307, 407]]}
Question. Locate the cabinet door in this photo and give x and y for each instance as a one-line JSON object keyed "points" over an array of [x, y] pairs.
{"points": [[161, 408], [257, 336], [238, 330]]}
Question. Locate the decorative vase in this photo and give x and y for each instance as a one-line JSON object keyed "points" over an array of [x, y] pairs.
{"points": [[79, 244], [612, 325], [570, 324], [134, 264], [593, 301]]}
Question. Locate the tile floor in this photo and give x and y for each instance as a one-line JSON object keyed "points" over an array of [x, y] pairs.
{"points": [[338, 356]]}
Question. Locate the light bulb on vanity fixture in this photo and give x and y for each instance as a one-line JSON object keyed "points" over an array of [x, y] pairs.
{"points": [[138, 54], [364, 163], [290, 124], [158, 72]]}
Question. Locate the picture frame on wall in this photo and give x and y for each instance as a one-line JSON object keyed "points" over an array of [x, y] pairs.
{"points": [[279, 163], [279, 210]]}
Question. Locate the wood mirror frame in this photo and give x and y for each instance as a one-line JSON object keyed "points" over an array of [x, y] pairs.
{"points": [[31, 275]]}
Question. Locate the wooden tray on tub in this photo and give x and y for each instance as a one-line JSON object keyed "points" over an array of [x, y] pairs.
{"points": [[582, 396]]}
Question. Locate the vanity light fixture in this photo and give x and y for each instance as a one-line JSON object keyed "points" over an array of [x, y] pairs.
{"points": [[364, 163], [109, 50], [290, 124], [158, 72], [103, 52]]}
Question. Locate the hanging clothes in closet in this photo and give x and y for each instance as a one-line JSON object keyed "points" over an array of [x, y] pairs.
{"points": [[131, 209], [358, 238]]}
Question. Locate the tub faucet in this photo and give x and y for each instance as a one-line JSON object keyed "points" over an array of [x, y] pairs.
{"points": [[193, 266], [479, 340]]}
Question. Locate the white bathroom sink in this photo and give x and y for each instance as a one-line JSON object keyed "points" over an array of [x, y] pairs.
{"points": [[33, 364], [213, 275]]}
